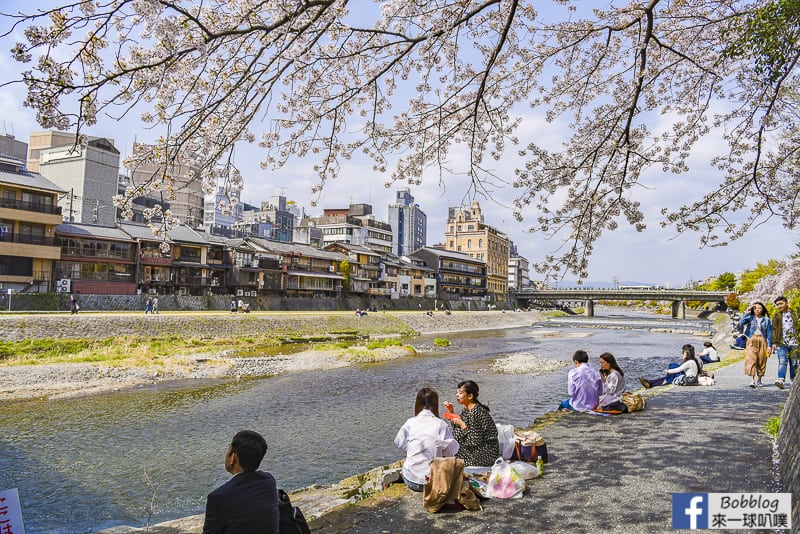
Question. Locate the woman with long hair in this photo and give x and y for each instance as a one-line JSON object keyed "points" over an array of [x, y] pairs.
{"points": [[475, 430], [758, 329], [683, 374], [613, 380], [423, 438]]}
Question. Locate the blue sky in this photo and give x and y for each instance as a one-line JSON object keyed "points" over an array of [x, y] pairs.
{"points": [[657, 255]]}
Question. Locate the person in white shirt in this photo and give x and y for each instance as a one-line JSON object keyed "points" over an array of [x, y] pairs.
{"points": [[424, 437], [684, 374], [709, 353], [613, 380]]}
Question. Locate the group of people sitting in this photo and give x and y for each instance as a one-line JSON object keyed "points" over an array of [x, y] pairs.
{"points": [[601, 390]]}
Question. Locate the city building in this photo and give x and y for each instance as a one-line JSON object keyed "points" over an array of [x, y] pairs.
{"points": [[46, 139], [95, 260], [13, 149], [88, 173], [518, 269], [273, 220], [187, 200], [355, 225], [409, 224], [458, 276], [29, 214], [466, 232], [218, 220]]}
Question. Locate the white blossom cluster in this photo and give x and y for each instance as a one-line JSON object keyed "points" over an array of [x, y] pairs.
{"points": [[638, 83]]}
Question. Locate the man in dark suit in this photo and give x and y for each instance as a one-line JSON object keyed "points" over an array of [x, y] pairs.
{"points": [[248, 502]]}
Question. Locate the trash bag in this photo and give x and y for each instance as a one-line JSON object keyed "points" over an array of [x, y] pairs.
{"points": [[505, 482]]}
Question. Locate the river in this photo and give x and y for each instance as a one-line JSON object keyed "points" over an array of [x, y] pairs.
{"points": [[84, 464]]}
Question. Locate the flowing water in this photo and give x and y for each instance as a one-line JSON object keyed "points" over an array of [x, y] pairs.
{"points": [[91, 463]]}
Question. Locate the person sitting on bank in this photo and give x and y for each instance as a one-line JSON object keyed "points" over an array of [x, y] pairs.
{"points": [[613, 383], [248, 502], [709, 353], [584, 385], [683, 374], [423, 438], [474, 429]]}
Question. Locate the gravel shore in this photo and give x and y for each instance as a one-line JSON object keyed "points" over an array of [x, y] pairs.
{"points": [[53, 381]]}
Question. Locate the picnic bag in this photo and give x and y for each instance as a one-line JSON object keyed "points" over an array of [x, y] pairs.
{"points": [[292, 520], [529, 446], [505, 482], [633, 401]]}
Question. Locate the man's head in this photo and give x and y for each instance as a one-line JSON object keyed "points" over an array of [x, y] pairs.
{"points": [[782, 304], [580, 356], [245, 452]]}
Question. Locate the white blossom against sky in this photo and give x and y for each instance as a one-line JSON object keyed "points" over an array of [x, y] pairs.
{"points": [[655, 255]]}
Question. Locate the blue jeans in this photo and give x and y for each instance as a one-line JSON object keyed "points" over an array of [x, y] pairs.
{"points": [[787, 357], [565, 405], [413, 486]]}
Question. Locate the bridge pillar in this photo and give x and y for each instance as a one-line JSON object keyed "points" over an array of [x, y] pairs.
{"points": [[589, 308], [678, 309]]}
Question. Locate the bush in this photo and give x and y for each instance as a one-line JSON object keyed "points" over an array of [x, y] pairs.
{"points": [[441, 342]]}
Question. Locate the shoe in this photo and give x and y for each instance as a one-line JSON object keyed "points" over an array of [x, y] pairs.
{"points": [[753, 384], [779, 384], [759, 384], [644, 382]]}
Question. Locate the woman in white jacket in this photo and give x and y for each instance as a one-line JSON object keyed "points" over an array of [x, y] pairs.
{"points": [[613, 380], [424, 437], [684, 374]]}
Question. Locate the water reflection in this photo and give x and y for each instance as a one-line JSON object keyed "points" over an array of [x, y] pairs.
{"points": [[80, 464]]}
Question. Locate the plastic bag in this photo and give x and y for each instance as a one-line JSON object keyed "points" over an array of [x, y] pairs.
{"points": [[505, 435], [505, 482], [525, 470]]}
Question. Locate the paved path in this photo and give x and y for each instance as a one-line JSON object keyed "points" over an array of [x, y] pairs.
{"points": [[614, 474]]}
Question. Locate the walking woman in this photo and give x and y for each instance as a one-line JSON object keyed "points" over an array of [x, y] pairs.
{"points": [[758, 329], [475, 430]]}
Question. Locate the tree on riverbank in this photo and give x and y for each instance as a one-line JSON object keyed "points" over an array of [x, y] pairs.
{"points": [[414, 85]]}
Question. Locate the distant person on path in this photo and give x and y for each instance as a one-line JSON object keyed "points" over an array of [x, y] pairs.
{"points": [[148, 306], [74, 307], [683, 374], [784, 341], [248, 502], [758, 329], [613, 382], [474, 429], [423, 438], [709, 353], [584, 385], [155, 304], [233, 306]]}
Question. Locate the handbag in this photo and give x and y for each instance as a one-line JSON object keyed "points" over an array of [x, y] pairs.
{"points": [[529, 447], [633, 401], [292, 520]]}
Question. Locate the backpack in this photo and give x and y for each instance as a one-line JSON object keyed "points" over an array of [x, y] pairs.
{"points": [[633, 401], [292, 520]]}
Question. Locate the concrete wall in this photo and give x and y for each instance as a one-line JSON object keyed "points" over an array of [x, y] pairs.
{"points": [[60, 302], [789, 448]]}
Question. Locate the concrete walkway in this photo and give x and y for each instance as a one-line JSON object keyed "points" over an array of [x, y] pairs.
{"points": [[614, 474]]}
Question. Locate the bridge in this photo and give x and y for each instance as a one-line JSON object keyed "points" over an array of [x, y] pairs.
{"points": [[678, 297]]}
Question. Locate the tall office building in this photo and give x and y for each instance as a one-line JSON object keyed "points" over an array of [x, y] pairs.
{"points": [[409, 224]]}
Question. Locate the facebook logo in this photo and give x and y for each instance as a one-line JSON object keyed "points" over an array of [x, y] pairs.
{"points": [[690, 510]]}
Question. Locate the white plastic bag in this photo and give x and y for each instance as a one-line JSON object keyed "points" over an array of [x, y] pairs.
{"points": [[505, 435], [505, 482], [525, 470]]}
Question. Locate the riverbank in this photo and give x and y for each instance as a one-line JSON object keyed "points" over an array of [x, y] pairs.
{"points": [[67, 379], [606, 474]]}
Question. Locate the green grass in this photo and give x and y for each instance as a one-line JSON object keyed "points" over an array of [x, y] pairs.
{"points": [[441, 342], [773, 427]]}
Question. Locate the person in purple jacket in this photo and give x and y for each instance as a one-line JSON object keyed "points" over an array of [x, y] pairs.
{"points": [[584, 385]]}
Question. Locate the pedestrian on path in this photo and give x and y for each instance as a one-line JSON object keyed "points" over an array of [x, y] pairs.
{"points": [[784, 341], [758, 329], [148, 306], [155, 304]]}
